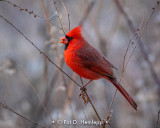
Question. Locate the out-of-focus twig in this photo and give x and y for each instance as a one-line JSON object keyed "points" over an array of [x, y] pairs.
{"points": [[69, 22], [84, 114], [23, 117], [86, 13], [54, 2], [158, 119], [68, 98], [50, 31], [35, 92], [59, 59]]}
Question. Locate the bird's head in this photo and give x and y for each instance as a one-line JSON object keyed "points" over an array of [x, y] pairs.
{"points": [[73, 34]]}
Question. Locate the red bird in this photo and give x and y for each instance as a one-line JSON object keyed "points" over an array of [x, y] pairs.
{"points": [[88, 62]]}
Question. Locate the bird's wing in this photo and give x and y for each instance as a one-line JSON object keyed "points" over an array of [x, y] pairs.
{"points": [[103, 71], [110, 63], [93, 60]]}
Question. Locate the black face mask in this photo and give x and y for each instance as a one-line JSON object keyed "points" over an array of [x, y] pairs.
{"points": [[69, 39]]}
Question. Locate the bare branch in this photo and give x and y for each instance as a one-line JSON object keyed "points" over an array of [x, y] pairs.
{"points": [[11, 110]]}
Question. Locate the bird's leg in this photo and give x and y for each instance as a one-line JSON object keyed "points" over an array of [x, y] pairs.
{"points": [[84, 86]]}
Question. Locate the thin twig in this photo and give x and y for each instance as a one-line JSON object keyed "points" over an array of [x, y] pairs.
{"points": [[84, 114], [124, 60], [81, 81], [54, 2], [69, 22], [52, 39], [50, 32], [93, 107], [158, 119], [130, 42], [110, 108], [86, 13], [11, 110], [29, 12], [35, 92], [68, 98]]}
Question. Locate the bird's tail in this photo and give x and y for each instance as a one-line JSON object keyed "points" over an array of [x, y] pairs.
{"points": [[124, 93]]}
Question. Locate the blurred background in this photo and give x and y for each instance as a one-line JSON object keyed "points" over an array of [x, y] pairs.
{"points": [[28, 79]]}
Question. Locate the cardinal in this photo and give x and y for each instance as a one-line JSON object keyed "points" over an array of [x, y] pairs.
{"points": [[88, 62]]}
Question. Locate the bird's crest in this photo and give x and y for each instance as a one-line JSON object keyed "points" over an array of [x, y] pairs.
{"points": [[76, 32]]}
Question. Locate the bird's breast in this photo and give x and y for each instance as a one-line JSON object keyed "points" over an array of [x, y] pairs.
{"points": [[71, 58]]}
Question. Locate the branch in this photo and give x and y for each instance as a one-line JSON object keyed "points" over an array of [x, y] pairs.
{"points": [[11, 110]]}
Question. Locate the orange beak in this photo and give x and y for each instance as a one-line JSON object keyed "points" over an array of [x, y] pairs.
{"points": [[64, 40]]}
